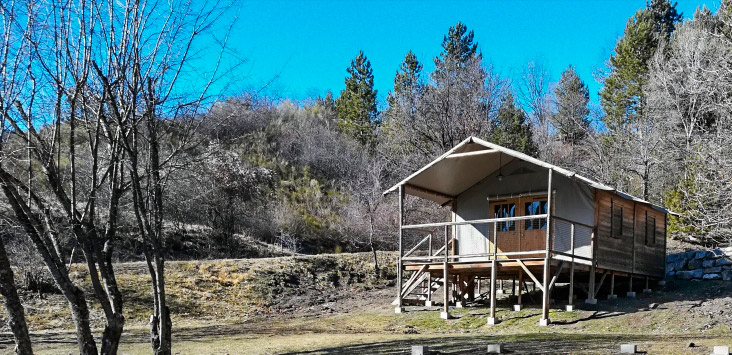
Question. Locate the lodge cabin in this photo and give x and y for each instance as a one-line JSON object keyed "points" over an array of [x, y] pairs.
{"points": [[517, 218]]}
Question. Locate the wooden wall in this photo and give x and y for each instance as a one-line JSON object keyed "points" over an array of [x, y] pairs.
{"points": [[626, 247]]}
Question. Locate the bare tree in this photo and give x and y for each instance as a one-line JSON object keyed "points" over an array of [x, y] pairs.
{"points": [[156, 121], [687, 95], [13, 46], [534, 94]]}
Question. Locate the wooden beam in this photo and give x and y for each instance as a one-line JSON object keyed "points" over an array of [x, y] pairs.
{"points": [[556, 276], [602, 279], [400, 263], [470, 154], [428, 191], [544, 320], [531, 275], [474, 221]]}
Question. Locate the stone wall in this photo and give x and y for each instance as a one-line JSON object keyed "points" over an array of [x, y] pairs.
{"points": [[700, 264]]}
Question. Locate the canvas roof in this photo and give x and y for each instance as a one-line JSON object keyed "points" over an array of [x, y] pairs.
{"points": [[471, 161]]}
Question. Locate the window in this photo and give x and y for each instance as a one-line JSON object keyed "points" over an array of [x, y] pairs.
{"points": [[650, 230], [616, 222], [532, 209], [502, 211]]}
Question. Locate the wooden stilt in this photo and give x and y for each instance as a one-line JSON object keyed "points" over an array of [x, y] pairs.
{"points": [[630, 293], [612, 294], [544, 321], [647, 289], [513, 287], [428, 301], [570, 302], [446, 283], [400, 265], [517, 306], [494, 275]]}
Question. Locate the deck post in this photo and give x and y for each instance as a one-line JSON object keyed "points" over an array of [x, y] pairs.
{"points": [[428, 300], [570, 302], [630, 293], [400, 265], [494, 274], [544, 321], [647, 289], [445, 314], [513, 287], [591, 289], [517, 307], [612, 294]]}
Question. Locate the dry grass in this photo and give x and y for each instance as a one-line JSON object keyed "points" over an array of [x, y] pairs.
{"points": [[336, 304]]}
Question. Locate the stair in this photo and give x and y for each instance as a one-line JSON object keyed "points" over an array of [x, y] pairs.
{"points": [[414, 292]]}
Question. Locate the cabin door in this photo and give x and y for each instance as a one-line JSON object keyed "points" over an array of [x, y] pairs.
{"points": [[519, 235]]}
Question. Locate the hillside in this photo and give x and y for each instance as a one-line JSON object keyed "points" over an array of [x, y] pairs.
{"points": [[276, 305]]}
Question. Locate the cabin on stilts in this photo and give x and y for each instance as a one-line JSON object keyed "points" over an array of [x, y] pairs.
{"points": [[517, 218]]}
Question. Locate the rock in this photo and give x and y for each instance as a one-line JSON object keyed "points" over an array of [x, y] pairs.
{"points": [[689, 254], [713, 270], [683, 275], [697, 274], [707, 263], [700, 254], [672, 257], [722, 262], [653, 306], [669, 267], [694, 264], [671, 274], [712, 277], [727, 275], [717, 253], [727, 251], [680, 264], [690, 345]]}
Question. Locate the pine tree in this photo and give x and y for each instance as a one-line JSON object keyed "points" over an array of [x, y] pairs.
{"points": [[572, 117], [622, 97], [357, 112], [458, 48], [406, 81], [512, 128]]}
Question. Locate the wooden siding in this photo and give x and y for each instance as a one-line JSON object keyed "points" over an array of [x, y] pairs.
{"points": [[628, 251]]}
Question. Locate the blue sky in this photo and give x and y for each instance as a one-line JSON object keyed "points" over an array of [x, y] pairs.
{"points": [[300, 49]]}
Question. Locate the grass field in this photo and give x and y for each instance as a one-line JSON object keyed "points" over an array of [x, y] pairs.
{"points": [[336, 304]]}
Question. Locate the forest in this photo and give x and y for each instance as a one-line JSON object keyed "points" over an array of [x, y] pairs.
{"points": [[109, 156]]}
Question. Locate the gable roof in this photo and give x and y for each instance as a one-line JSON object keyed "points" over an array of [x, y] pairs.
{"points": [[471, 161]]}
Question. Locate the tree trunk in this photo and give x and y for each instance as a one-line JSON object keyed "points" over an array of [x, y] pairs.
{"points": [[112, 334], [16, 314], [164, 322], [80, 316]]}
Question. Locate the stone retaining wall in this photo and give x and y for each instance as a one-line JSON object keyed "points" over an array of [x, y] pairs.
{"points": [[700, 264]]}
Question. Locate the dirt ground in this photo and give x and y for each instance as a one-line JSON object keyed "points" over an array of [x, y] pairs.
{"points": [[666, 321], [337, 304]]}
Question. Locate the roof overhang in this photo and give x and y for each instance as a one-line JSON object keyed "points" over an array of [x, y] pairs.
{"points": [[471, 161]]}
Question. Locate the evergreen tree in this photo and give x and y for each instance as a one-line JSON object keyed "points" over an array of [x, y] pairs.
{"points": [[356, 107], [458, 48], [622, 97], [572, 117], [512, 128], [406, 81]]}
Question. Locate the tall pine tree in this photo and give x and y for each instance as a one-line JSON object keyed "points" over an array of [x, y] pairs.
{"points": [[572, 98], [407, 84], [512, 129], [357, 112], [622, 97]]}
